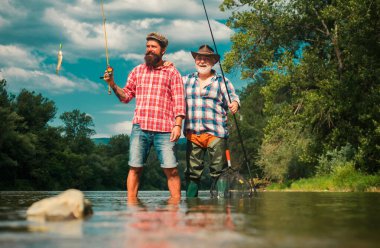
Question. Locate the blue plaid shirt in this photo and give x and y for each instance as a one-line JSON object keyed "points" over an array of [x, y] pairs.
{"points": [[206, 109]]}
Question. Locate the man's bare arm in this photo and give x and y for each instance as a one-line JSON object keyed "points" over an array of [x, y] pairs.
{"points": [[116, 89], [119, 92]]}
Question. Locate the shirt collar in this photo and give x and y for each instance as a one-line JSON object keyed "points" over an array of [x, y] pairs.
{"points": [[154, 68]]}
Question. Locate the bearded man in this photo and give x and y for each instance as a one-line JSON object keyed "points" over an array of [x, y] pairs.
{"points": [[205, 126], [160, 109]]}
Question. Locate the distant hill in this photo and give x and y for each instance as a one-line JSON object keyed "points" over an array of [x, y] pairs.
{"points": [[101, 141]]}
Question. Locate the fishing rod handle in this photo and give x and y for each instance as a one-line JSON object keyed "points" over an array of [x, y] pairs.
{"points": [[110, 72]]}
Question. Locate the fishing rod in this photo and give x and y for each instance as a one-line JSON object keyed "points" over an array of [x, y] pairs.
{"points": [[109, 68], [229, 98]]}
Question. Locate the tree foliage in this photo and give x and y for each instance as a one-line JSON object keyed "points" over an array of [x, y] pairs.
{"points": [[318, 65], [16, 146]]}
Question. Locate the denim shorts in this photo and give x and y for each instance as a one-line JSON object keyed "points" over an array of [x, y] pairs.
{"points": [[141, 142]]}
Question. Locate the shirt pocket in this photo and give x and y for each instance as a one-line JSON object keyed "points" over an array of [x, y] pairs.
{"points": [[211, 92]]}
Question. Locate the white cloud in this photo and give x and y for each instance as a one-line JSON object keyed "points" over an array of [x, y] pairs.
{"points": [[146, 23], [179, 32], [134, 57], [24, 69], [182, 60], [84, 38], [187, 30], [101, 135], [83, 8], [8, 9], [121, 127], [3, 22], [189, 8], [119, 112], [124, 37], [19, 78], [16, 56], [83, 35], [126, 33]]}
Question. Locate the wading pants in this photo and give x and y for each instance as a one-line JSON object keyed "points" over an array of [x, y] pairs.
{"points": [[195, 154]]}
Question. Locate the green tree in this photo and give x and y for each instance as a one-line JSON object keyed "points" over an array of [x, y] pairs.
{"points": [[76, 158], [16, 147], [36, 110], [115, 168], [77, 124], [153, 178], [78, 130], [319, 61], [251, 120]]}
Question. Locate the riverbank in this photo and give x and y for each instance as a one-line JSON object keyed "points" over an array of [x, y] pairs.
{"points": [[339, 182]]}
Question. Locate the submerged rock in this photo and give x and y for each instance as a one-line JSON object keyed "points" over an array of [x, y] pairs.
{"points": [[68, 205]]}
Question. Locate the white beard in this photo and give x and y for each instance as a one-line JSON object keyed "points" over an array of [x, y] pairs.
{"points": [[203, 70]]}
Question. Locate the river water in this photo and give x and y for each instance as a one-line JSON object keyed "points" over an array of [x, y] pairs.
{"points": [[269, 219]]}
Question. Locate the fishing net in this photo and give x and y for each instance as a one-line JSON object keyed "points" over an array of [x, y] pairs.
{"points": [[231, 184]]}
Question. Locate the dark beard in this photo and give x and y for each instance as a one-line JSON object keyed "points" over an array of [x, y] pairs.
{"points": [[152, 59]]}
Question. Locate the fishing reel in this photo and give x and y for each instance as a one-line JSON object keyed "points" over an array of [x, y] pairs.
{"points": [[109, 71]]}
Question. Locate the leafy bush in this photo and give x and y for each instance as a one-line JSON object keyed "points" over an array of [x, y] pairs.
{"points": [[332, 160], [284, 155]]}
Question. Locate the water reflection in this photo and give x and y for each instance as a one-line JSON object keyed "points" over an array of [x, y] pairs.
{"points": [[182, 223], [187, 215], [165, 215], [213, 214], [266, 220], [71, 229]]}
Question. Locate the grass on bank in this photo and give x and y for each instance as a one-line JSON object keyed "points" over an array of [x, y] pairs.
{"points": [[342, 179]]}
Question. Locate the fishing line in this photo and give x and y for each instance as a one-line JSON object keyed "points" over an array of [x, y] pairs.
{"points": [[229, 98], [109, 68]]}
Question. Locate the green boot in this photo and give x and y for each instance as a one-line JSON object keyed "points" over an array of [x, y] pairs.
{"points": [[192, 189]]}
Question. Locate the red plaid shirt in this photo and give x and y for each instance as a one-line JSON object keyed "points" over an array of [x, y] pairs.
{"points": [[159, 97]]}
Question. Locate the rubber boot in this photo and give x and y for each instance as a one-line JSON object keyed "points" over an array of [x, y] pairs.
{"points": [[192, 189], [222, 188]]}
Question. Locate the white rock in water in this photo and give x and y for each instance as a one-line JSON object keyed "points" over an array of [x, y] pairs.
{"points": [[70, 204]]}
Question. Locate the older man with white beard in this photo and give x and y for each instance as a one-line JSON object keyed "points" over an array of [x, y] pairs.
{"points": [[205, 126]]}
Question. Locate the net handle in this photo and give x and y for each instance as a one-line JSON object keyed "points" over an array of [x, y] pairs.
{"points": [[228, 157]]}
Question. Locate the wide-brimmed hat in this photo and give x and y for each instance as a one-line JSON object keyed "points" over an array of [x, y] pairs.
{"points": [[206, 50], [158, 37]]}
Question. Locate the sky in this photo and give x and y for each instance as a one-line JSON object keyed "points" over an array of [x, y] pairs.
{"points": [[31, 32]]}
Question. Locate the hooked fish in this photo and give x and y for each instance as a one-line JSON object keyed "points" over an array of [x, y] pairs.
{"points": [[60, 57]]}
